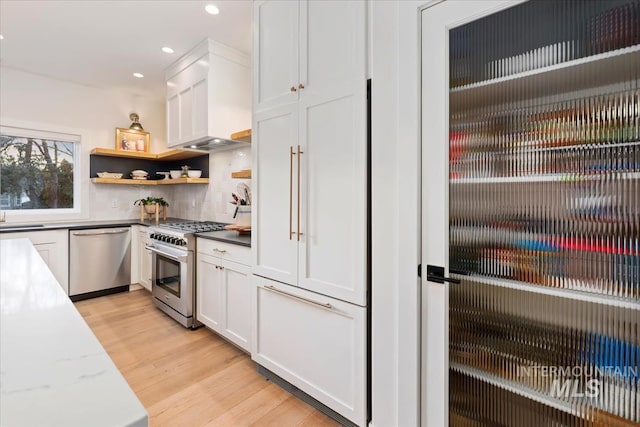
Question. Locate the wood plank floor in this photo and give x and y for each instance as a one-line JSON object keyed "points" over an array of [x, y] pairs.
{"points": [[185, 377]]}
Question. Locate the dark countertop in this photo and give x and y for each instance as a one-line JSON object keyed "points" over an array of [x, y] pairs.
{"points": [[83, 225], [228, 236]]}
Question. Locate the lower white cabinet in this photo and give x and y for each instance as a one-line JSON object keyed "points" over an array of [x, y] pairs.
{"points": [[53, 247], [223, 297], [140, 256], [314, 342]]}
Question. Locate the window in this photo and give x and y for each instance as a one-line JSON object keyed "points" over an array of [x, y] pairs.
{"points": [[38, 170]]}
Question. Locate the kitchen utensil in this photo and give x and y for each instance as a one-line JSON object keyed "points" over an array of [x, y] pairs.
{"points": [[244, 192]]}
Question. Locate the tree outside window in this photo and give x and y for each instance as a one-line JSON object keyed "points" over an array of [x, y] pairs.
{"points": [[36, 173]]}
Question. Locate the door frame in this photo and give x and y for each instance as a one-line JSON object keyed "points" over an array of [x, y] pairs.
{"points": [[434, 319]]}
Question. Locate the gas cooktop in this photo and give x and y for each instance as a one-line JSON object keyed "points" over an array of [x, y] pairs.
{"points": [[194, 226]]}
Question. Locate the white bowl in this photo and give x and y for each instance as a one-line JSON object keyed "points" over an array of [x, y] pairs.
{"points": [[175, 174], [112, 175], [195, 174], [139, 172]]}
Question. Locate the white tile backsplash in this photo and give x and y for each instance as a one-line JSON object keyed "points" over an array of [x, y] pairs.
{"points": [[212, 201]]}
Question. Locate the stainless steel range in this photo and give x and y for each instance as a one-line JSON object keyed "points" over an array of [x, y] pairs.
{"points": [[173, 268]]}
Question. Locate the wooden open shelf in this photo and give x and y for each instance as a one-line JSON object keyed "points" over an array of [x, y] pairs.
{"points": [[175, 154], [243, 135], [150, 182], [245, 173]]}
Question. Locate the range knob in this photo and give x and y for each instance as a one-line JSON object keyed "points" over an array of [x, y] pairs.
{"points": [[173, 240], [152, 236], [182, 242]]}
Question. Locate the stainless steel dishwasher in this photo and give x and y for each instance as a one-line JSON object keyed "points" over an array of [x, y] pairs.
{"points": [[99, 262]]}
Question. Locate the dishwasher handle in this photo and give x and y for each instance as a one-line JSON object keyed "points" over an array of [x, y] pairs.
{"points": [[100, 233]]}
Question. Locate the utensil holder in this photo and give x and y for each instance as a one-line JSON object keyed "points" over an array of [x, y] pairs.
{"points": [[243, 216]]}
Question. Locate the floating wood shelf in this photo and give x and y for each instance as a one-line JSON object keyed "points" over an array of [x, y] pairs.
{"points": [[150, 182], [245, 173], [175, 154], [243, 135]]}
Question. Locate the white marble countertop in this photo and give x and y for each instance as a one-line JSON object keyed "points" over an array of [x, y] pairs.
{"points": [[53, 370]]}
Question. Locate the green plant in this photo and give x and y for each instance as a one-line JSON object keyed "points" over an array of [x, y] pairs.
{"points": [[151, 201]]}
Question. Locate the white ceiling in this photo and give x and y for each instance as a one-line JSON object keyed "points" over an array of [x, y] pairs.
{"points": [[102, 43]]}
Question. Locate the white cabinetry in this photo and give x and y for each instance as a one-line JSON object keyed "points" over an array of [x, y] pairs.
{"points": [[140, 256], [223, 290], [53, 247], [208, 94], [311, 147], [315, 342]]}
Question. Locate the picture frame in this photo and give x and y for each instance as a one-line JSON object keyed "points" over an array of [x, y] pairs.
{"points": [[132, 140]]}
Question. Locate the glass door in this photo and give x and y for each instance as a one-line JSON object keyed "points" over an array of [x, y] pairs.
{"points": [[531, 200]]}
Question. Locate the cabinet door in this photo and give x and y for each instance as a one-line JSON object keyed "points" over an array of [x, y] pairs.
{"points": [[237, 303], [185, 131], [53, 247], [274, 193], [275, 47], [332, 258], [314, 342], [173, 120], [144, 260], [209, 292]]}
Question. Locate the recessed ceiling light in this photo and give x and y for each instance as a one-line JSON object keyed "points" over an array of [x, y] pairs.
{"points": [[212, 9], [167, 49], [138, 75]]}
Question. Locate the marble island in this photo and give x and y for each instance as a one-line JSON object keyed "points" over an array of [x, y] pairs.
{"points": [[53, 370]]}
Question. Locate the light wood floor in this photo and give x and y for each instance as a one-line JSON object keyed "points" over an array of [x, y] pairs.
{"points": [[188, 378]]}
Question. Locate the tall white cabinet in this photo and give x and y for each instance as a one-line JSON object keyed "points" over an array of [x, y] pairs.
{"points": [[311, 147], [310, 198]]}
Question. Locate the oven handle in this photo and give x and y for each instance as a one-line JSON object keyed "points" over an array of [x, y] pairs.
{"points": [[177, 258]]}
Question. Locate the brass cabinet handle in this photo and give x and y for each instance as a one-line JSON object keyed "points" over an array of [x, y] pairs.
{"points": [[291, 154], [300, 86], [293, 89], [299, 156], [274, 289]]}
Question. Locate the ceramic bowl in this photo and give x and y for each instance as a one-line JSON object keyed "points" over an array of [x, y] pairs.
{"points": [[175, 174], [195, 174]]}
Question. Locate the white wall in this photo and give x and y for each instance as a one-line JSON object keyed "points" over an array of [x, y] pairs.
{"points": [[211, 202], [34, 101], [396, 231]]}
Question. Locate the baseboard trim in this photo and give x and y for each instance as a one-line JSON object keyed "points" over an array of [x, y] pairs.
{"points": [[304, 396]]}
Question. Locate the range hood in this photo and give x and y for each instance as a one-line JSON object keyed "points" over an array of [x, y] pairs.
{"points": [[237, 139], [208, 98]]}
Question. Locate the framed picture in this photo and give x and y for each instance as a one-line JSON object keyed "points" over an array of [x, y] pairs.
{"points": [[132, 140]]}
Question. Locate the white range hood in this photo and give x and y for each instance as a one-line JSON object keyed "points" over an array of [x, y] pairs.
{"points": [[208, 97]]}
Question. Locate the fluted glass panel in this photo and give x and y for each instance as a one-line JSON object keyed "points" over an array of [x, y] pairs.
{"points": [[544, 202]]}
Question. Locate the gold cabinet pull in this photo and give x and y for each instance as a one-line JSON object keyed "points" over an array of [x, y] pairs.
{"points": [[293, 89], [291, 154], [274, 289], [298, 225], [300, 86]]}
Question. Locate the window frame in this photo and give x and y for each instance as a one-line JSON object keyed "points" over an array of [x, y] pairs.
{"points": [[48, 132]]}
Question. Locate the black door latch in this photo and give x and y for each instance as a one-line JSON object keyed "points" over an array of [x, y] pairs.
{"points": [[436, 274]]}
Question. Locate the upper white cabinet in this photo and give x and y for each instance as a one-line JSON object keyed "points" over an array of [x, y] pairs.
{"points": [[208, 94], [310, 150], [276, 53], [53, 247]]}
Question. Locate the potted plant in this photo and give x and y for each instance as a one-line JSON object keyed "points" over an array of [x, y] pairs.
{"points": [[150, 203]]}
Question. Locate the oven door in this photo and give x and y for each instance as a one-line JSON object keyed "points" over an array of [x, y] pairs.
{"points": [[172, 277]]}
